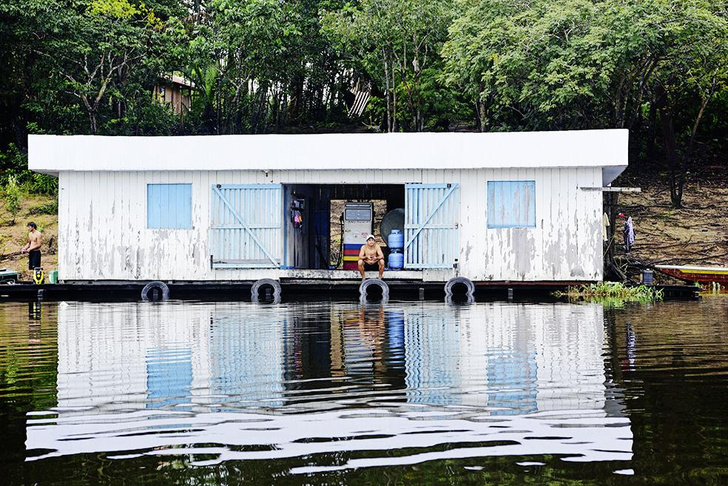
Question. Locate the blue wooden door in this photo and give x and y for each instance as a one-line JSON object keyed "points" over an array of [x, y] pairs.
{"points": [[431, 225], [246, 226]]}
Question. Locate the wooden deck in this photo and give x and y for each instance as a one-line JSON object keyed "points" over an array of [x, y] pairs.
{"points": [[344, 275]]}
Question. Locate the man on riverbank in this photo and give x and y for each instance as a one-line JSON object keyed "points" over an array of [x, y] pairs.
{"points": [[33, 246], [371, 257]]}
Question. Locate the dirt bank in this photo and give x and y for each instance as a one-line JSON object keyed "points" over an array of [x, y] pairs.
{"points": [[694, 235], [14, 235]]}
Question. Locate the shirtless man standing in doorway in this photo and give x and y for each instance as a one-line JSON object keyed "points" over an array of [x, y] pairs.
{"points": [[371, 257], [33, 246]]}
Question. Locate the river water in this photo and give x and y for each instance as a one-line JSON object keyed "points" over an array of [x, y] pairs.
{"points": [[344, 393]]}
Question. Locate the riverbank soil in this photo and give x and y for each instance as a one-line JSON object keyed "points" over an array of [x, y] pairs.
{"points": [[14, 235], [696, 234]]}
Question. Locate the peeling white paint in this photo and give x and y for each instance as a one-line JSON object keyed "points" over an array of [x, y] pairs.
{"points": [[103, 233]]}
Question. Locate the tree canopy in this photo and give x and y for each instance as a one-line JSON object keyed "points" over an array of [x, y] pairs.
{"points": [[656, 67]]}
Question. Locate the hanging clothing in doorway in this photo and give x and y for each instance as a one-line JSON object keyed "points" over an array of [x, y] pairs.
{"points": [[297, 213]]}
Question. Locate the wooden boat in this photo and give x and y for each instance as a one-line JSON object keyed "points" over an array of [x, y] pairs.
{"points": [[696, 274]]}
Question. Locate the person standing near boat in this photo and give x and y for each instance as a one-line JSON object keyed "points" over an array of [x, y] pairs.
{"points": [[33, 246]]}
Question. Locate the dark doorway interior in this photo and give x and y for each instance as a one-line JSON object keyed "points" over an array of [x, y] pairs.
{"points": [[311, 219]]}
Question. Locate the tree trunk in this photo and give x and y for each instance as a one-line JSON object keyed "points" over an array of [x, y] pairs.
{"points": [[703, 104], [260, 112], [481, 110], [92, 121], [677, 169], [651, 131], [387, 91], [394, 100], [482, 113]]}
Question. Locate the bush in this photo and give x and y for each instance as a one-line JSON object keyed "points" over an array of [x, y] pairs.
{"points": [[48, 208], [14, 165], [41, 184], [11, 198]]}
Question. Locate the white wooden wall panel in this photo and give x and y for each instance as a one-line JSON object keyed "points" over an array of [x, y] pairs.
{"points": [[103, 234], [63, 224]]}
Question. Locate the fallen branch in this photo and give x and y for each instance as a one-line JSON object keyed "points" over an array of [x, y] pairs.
{"points": [[6, 256]]}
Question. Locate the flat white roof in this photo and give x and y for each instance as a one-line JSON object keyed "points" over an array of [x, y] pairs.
{"points": [[587, 148]]}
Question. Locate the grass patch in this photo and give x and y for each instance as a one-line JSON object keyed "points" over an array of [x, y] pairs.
{"points": [[612, 291], [667, 216]]}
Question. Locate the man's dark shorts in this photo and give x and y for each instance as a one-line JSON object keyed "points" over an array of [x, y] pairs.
{"points": [[371, 266], [33, 259]]}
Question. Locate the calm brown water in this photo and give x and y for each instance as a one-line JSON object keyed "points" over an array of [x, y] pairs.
{"points": [[339, 393]]}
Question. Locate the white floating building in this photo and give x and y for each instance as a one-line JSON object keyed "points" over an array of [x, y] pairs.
{"points": [[498, 207]]}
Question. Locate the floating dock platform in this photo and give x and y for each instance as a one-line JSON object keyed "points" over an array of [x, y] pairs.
{"points": [[296, 288]]}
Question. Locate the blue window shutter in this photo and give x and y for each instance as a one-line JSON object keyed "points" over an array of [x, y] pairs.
{"points": [[169, 206], [246, 224], [511, 204]]}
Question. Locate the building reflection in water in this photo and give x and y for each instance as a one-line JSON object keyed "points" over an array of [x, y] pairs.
{"points": [[498, 360], [511, 358]]}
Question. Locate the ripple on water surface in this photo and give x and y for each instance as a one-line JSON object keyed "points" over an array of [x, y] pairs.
{"points": [[326, 388]]}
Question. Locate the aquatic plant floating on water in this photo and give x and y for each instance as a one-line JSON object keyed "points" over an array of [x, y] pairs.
{"points": [[612, 291]]}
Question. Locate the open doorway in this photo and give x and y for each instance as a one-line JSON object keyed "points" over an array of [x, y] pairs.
{"points": [[341, 252], [315, 220]]}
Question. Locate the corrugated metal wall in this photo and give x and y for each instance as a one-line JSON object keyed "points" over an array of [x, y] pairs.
{"points": [[103, 233]]}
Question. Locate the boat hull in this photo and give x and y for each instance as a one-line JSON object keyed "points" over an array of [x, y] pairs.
{"points": [[696, 274]]}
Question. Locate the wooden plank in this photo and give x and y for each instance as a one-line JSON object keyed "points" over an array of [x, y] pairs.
{"points": [[613, 189]]}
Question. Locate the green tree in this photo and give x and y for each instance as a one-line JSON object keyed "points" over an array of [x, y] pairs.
{"points": [[395, 43], [574, 64], [258, 65], [691, 67], [74, 66], [11, 198], [541, 65], [107, 40], [24, 25]]}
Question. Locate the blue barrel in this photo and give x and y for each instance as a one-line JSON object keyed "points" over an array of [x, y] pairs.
{"points": [[396, 240], [396, 260]]}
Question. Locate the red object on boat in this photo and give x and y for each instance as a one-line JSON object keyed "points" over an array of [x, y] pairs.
{"points": [[696, 274]]}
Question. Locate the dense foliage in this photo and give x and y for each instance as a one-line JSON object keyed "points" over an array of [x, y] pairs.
{"points": [[657, 67]]}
